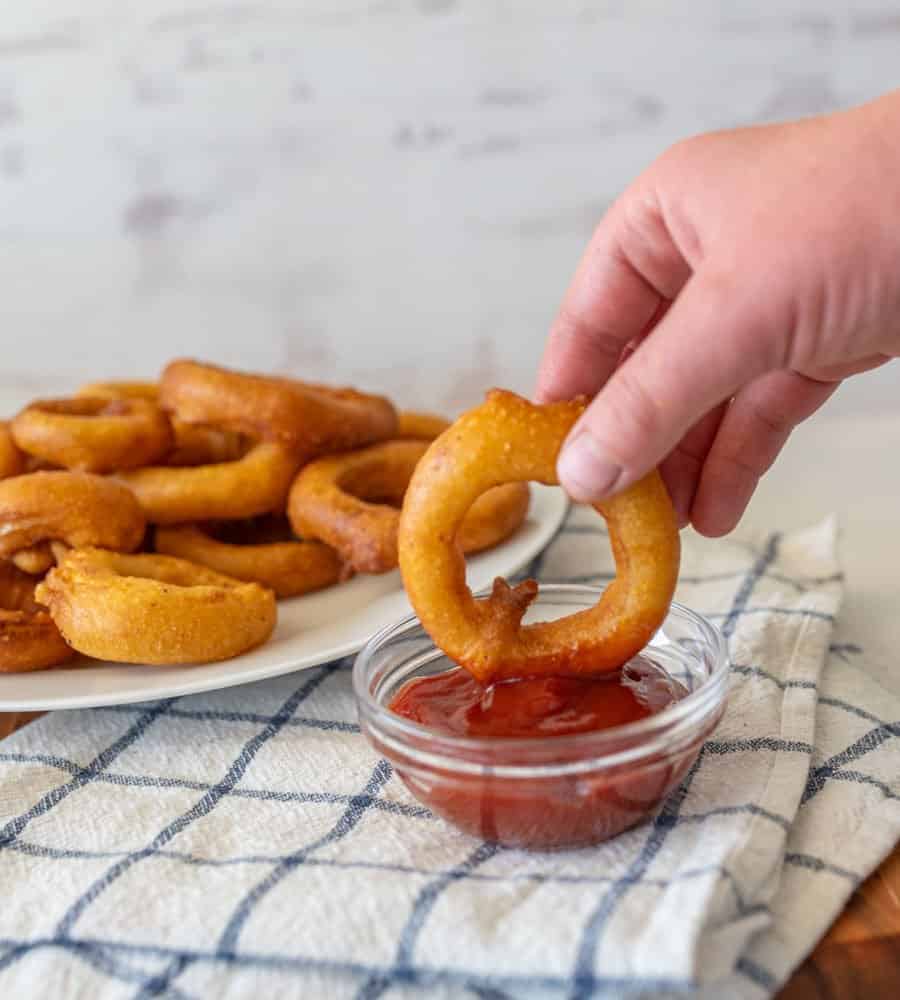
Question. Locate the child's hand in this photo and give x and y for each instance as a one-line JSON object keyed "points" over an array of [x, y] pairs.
{"points": [[721, 301]]}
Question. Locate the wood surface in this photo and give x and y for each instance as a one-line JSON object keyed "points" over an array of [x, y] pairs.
{"points": [[859, 958]]}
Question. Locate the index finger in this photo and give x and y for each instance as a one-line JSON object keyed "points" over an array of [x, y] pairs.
{"points": [[630, 269]]}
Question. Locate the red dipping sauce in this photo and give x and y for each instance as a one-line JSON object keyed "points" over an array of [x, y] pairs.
{"points": [[455, 704], [544, 809], [551, 762]]}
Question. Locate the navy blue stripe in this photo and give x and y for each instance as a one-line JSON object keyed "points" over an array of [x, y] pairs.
{"points": [[488, 993], [756, 973], [667, 817], [853, 709], [98, 958], [584, 975], [780, 684], [422, 976], [845, 706], [800, 585], [758, 743], [748, 808], [842, 648], [815, 864], [146, 781], [858, 778], [375, 986], [47, 802], [348, 820], [873, 739], [162, 984], [766, 610], [201, 808], [762, 564], [183, 857], [257, 718]]}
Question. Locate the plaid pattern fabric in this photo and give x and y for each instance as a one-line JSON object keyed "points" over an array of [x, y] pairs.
{"points": [[249, 842]]}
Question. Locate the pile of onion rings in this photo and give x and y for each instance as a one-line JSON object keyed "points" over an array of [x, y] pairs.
{"points": [[147, 521], [29, 639], [93, 434], [154, 609], [352, 502], [289, 567], [509, 440]]}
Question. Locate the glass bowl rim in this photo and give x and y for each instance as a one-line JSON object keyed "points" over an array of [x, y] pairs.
{"points": [[683, 718]]}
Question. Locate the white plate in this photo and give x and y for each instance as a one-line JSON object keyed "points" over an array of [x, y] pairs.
{"points": [[311, 630]]}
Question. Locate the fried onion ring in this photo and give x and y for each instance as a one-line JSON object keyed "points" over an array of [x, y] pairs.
{"points": [[508, 439], [12, 460], [193, 445], [34, 561], [255, 484], [351, 502], [91, 434], [28, 638], [77, 508], [289, 568], [309, 420], [154, 609], [419, 426]]}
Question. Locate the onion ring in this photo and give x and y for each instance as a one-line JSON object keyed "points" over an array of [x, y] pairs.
{"points": [[309, 420], [77, 508], [419, 426], [91, 434], [154, 609], [12, 460], [346, 500], [255, 484], [508, 439], [289, 568], [193, 445], [28, 638], [34, 561]]}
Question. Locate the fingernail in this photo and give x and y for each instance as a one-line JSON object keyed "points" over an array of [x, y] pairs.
{"points": [[585, 470]]}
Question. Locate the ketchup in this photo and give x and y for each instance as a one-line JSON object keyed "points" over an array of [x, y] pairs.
{"points": [[548, 803], [455, 704]]}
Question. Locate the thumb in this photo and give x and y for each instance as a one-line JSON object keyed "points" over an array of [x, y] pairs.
{"points": [[718, 335]]}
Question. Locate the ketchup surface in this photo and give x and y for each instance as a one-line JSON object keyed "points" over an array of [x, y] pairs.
{"points": [[543, 808], [455, 704]]}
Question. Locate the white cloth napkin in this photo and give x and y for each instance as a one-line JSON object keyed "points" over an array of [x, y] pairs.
{"points": [[250, 843]]}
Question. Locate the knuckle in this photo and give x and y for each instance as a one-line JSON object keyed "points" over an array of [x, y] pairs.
{"points": [[597, 342]]}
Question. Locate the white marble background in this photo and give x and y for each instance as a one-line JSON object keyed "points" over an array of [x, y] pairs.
{"points": [[387, 192]]}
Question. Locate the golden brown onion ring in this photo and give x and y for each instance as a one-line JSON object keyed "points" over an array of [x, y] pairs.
{"points": [[350, 501], [307, 419], [193, 445], [287, 567], [91, 434], [255, 484], [34, 561], [12, 460], [419, 426], [77, 508], [28, 638], [508, 439], [148, 391], [154, 609]]}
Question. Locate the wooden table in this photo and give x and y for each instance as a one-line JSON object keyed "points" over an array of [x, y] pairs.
{"points": [[859, 958]]}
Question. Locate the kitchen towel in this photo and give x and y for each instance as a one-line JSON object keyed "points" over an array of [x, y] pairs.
{"points": [[250, 843]]}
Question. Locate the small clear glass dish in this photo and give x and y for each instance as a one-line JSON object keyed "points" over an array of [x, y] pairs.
{"points": [[558, 791]]}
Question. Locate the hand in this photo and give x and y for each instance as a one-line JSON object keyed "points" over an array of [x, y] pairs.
{"points": [[721, 301]]}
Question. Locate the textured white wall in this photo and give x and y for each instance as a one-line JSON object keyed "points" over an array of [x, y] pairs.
{"points": [[381, 191]]}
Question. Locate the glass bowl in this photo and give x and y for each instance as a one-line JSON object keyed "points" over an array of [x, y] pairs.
{"points": [[558, 791]]}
